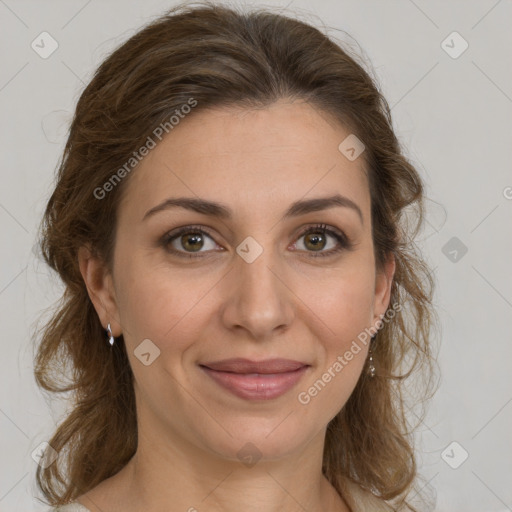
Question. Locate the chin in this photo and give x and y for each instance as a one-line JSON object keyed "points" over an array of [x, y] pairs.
{"points": [[257, 438]]}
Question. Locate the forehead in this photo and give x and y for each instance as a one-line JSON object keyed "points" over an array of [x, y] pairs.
{"points": [[249, 158]]}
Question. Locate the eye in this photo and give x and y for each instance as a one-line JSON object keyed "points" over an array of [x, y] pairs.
{"points": [[316, 237], [189, 241], [185, 239]]}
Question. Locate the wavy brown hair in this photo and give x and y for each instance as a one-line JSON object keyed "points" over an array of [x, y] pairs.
{"points": [[224, 56]]}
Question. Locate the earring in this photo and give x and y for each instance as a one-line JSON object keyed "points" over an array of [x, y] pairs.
{"points": [[111, 338], [371, 367]]}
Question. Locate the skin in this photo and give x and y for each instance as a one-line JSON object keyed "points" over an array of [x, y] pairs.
{"points": [[287, 303]]}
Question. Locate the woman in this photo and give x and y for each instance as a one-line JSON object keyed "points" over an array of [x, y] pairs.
{"points": [[243, 295]]}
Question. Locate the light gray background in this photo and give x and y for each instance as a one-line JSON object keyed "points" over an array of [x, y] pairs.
{"points": [[452, 114]]}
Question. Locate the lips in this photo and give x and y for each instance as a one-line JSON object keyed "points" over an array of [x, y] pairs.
{"points": [[240, 365], [256, 380]]}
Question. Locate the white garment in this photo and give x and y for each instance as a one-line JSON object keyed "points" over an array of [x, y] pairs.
{"points": [[70, 507], [360, 500]]}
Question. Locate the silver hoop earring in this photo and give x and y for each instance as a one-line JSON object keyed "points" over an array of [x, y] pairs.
{"points": [[111, 338], [371, 367]]}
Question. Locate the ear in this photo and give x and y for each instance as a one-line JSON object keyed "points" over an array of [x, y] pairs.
{"points": [[383, 283], [100, 288]]}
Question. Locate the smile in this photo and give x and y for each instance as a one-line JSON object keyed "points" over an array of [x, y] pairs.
{"points": [[256, 381]]}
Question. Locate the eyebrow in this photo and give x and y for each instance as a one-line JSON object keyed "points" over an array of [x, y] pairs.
{"points": [[221, 211]]}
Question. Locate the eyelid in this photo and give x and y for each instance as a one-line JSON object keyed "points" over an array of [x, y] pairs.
{"points": [[344, 243], [175, 233]]}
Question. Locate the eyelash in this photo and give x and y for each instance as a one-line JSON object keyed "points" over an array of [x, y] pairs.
{"points": [[343, 241]]}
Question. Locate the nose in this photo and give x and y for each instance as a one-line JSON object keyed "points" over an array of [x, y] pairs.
{"points": [[258, 298]]}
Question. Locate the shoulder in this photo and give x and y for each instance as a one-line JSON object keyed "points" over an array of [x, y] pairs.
{"points": [[70, 507]]}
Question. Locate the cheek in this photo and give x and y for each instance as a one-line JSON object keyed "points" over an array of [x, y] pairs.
{"points": [[344, 304], [343, 300], [345, 311], [163, 303], [160, 304]]}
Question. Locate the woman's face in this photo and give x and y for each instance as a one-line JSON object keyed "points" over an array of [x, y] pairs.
{"points": [[255, 287]]}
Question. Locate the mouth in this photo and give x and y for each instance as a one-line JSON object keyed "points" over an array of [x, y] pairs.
{"points": [[253, 380]]}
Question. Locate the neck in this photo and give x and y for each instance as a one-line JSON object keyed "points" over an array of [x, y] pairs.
{"points": [[180, 476], [172, 472], [192, 479]]}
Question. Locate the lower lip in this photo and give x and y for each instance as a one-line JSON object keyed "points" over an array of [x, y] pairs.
{"points": [[256, 386]]}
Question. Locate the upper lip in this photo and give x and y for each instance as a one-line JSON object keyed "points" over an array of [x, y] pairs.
{"points": [[241, 365]]}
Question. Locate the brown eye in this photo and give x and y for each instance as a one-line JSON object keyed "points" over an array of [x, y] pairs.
{"points": [[189, 240], [192, 241], [316, 239]]}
